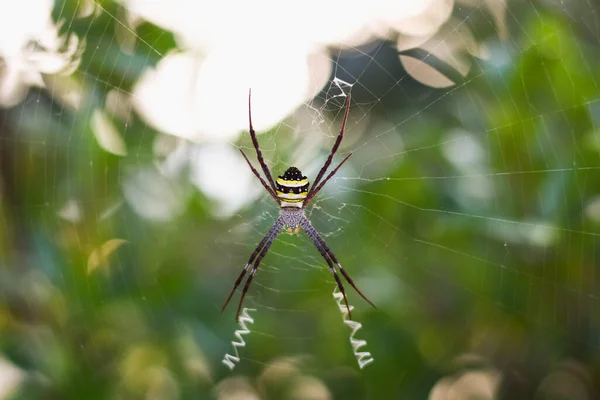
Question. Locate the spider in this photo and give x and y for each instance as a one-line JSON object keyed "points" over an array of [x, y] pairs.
{"points": [[291, 192]]}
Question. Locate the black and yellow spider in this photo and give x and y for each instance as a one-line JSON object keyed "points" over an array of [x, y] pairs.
{"points": [[292, 194]]}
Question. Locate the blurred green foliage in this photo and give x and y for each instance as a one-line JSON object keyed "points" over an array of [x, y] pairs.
{"points": [[505, 281]]}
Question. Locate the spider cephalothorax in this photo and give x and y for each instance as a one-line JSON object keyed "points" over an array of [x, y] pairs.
{"points": [[292, 194]]}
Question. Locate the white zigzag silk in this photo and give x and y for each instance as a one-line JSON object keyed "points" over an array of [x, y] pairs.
{"points": [[245, 318], [363, 357]]}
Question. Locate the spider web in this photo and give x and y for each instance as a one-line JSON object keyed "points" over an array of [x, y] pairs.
{"points": [[469, 214]]}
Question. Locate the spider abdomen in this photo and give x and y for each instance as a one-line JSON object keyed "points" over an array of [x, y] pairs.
{"points": [[292, 188]]}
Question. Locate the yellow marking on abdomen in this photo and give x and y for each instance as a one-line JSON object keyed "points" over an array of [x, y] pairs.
{"points": [[284, 182], [301, 195], [293, 200]]}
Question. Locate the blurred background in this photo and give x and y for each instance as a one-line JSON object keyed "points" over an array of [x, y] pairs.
{"points": [[469, 212]]}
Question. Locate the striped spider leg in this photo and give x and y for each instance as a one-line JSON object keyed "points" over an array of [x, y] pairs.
{"points": [[332, 261], [291, 191], [313, 234], [254, 261]]}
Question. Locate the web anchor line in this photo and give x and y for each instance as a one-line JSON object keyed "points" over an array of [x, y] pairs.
{"points": [[362, 357], [230, 360]]}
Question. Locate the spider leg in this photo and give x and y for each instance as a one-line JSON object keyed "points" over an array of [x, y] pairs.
{"points": [[252, 257], [333, 149], [343, 271], [260, 178], [314, 236], [332, 173], [275, 229], [257, 147]]}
